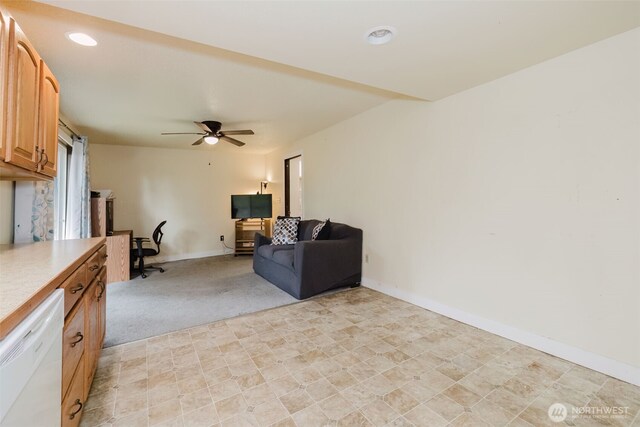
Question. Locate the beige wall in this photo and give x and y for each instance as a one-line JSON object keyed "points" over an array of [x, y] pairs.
{"points": [[6, 212], [516, 201], [155, 184]]}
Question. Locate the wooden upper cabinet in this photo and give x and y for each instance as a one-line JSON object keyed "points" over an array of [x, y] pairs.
{"points": [[48, 121], [22, 108], [4, 66]]}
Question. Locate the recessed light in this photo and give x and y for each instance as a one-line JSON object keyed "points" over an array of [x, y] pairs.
{"points": [[380, 35], [82, 39]]}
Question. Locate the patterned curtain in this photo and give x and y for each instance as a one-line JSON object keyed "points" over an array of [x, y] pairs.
{"points": [[78, 223]]}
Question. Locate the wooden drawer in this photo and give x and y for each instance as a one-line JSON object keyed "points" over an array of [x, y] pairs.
{"points": [[96, 261], [74, 400], [73, 287], [73, 344]]}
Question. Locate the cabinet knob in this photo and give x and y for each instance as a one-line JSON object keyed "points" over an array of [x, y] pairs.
{"points": [[80, 338], [77, 288], [77, 411], [94, 267]]}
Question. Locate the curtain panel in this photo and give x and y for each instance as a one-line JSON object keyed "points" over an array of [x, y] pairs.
{"points": [[78, 223]]}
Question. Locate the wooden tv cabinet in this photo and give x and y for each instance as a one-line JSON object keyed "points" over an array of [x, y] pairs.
{"points": [[246, 231]]}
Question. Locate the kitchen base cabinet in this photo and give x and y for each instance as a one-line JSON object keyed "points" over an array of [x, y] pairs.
{"points": [[29, 274], [83, 333]]}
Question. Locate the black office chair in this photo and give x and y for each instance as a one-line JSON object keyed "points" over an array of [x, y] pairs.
{"points": [[139, 252]]}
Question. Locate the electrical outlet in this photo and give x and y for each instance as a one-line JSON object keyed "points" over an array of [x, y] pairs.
{"points": [[222, 237]]}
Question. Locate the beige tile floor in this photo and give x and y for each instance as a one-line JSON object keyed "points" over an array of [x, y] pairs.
{"points": [[355, 358]]}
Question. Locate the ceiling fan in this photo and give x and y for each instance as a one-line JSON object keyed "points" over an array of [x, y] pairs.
{"points": [[212, 134]]}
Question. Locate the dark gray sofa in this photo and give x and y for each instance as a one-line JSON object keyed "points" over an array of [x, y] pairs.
{"points": [[310, 267]]}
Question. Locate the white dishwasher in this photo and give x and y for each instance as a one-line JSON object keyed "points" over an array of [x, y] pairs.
{"points": [[31, 367]]}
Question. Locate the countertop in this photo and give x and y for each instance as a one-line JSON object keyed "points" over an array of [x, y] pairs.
{"points": [[29, 272]]}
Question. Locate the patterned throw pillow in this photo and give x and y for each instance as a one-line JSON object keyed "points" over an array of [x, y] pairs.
{"points": [[285, 232], [320, 231]]}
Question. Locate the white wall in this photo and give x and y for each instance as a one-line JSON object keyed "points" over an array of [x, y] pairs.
{"points": [[6, 212], [155, 184], [517, 201]]}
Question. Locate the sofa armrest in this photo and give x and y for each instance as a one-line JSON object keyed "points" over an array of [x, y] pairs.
{"points": [[332, 260], [260, 240]]}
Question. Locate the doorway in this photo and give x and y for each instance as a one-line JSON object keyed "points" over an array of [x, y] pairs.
{"points": [[293, 186]]}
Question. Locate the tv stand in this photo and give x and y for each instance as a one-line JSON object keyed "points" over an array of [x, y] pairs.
{"points": [[245, 234]]}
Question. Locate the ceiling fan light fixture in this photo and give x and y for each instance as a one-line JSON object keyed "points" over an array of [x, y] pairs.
{"points": [[380, 35], [211, 139]]}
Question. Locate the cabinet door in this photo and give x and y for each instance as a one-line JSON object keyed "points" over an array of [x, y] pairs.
{"points": [[22, 108], [74, 400], [73, 344], [102, 301], [4, 75], [48, 120], [92, 331]]}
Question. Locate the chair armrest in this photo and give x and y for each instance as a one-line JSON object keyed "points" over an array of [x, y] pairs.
{"points": [[139, 241], [260, 240], [330, 259]]}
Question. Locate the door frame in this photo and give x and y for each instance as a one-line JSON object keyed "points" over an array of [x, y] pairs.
{"points": [[286, 158]]}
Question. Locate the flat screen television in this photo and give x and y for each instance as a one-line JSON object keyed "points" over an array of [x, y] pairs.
{"points": [[245, 206]]}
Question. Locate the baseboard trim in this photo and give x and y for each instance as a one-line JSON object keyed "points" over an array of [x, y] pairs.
{"points": [[191, 255], [581, 357]]}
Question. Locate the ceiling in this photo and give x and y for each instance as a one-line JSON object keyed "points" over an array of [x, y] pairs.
{"points": [[287, 69]]}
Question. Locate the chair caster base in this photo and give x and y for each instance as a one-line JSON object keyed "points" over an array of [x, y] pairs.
{"points": [[161, 270], [144, 276]]}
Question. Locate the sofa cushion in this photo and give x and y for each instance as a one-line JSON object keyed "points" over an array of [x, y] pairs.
{"points": [[305, 229], [322, 230], [267, 251], [284, 258], [286, 230]]}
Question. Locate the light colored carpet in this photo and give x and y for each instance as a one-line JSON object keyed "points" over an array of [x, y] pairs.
{"points": [[189, 293]]}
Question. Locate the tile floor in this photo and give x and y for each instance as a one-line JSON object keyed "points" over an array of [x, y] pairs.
{"points": [[355, 358]]}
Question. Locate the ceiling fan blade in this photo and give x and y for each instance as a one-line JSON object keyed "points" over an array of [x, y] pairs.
{"points": [[237, 132], [233, 141], [198, 142], [182, 133], [203, 127]]}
